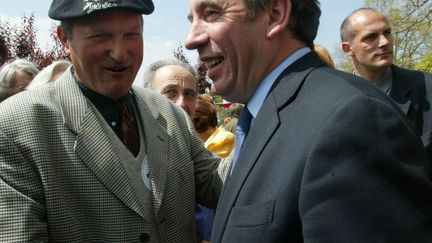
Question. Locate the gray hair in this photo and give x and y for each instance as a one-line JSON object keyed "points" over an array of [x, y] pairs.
{"points": [[8, 71], [150, 72]]}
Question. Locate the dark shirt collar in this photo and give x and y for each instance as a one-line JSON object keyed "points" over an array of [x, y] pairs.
{"points": [[109, 108], [385, 82]]}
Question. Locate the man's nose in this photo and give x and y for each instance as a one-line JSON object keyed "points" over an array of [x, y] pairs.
{"points": [[384, 40], [196, 37], [180, 101], [118, 50]]}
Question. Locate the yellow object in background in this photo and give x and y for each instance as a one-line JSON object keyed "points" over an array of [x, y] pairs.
{"points": [[221, 142]]}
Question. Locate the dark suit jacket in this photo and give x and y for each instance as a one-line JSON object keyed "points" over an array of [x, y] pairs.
{"points": [[412, 91], [329, 158]]}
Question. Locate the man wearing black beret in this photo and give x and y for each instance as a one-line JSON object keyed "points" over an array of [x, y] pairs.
{"points": [[91, 158]]}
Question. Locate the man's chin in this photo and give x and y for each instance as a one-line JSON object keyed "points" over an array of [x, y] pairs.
{"points": [[118, 92], [384, 63]]}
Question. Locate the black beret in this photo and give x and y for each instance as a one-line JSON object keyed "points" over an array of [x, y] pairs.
{"points": [[69, 9]]}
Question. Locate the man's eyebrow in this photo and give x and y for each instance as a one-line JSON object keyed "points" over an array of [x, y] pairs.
{"points": [[190, 89], [203, 4], [170, 86]]}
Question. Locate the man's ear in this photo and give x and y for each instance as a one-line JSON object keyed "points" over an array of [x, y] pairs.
{"points": [[346, 47], [63, 39], [279, 13]]}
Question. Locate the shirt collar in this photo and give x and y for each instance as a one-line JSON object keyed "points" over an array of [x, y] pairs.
{"points": [[385, 82], [108, 107], [255, 102]]}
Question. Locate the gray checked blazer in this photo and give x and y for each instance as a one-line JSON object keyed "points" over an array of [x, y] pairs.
{"points": [[62, 181]]}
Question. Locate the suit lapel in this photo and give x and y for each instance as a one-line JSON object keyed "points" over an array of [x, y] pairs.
{"points": [[401, 89], [158, 151], [92, 143], [265, 125]]}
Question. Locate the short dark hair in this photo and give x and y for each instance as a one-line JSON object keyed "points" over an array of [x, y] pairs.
{"points": [[304, 18], [66, 26]]}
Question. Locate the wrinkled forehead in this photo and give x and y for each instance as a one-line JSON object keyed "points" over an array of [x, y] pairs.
{"points": [[175, 75]]}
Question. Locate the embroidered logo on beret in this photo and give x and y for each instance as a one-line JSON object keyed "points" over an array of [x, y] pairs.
{"points": [[93, 5]]}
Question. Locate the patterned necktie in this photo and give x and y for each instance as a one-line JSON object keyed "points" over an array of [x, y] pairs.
{"points": [[242, 130], [129, 130]]}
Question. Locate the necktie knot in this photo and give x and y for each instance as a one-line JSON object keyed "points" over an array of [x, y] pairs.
{"points": [[242, 130], [244, 121]]}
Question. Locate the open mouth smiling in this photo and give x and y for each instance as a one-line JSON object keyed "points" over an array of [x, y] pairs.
{"points": [[213, 62]]}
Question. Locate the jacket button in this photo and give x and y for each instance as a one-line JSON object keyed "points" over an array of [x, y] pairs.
{"points": [[144, 237]]}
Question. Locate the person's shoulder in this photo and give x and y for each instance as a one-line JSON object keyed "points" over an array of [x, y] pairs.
{"points": [[342, 80], [411, 72], [41, 99], [417, 80], [157, 103], [339, 86], [27, 108], [28, 97], [151, 97]]}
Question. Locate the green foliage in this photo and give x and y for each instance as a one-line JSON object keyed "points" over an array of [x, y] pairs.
{"points": [[411, 22], [425, 64]]}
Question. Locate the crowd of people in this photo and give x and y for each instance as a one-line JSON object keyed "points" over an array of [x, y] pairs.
{"points": [[307, 153]]}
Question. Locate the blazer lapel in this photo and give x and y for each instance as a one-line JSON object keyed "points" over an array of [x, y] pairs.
{"points": [[157, 153], [401, 89], [261, 131], [92, 143]]}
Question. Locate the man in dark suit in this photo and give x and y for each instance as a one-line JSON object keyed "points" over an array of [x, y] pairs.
{"points": [[328, 158], [367, 39]]}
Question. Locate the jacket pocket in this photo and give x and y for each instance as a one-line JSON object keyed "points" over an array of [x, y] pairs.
{"points": [[252, 215]]}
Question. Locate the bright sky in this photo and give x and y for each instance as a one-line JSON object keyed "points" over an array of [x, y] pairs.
{"points": [[166, 29]]}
